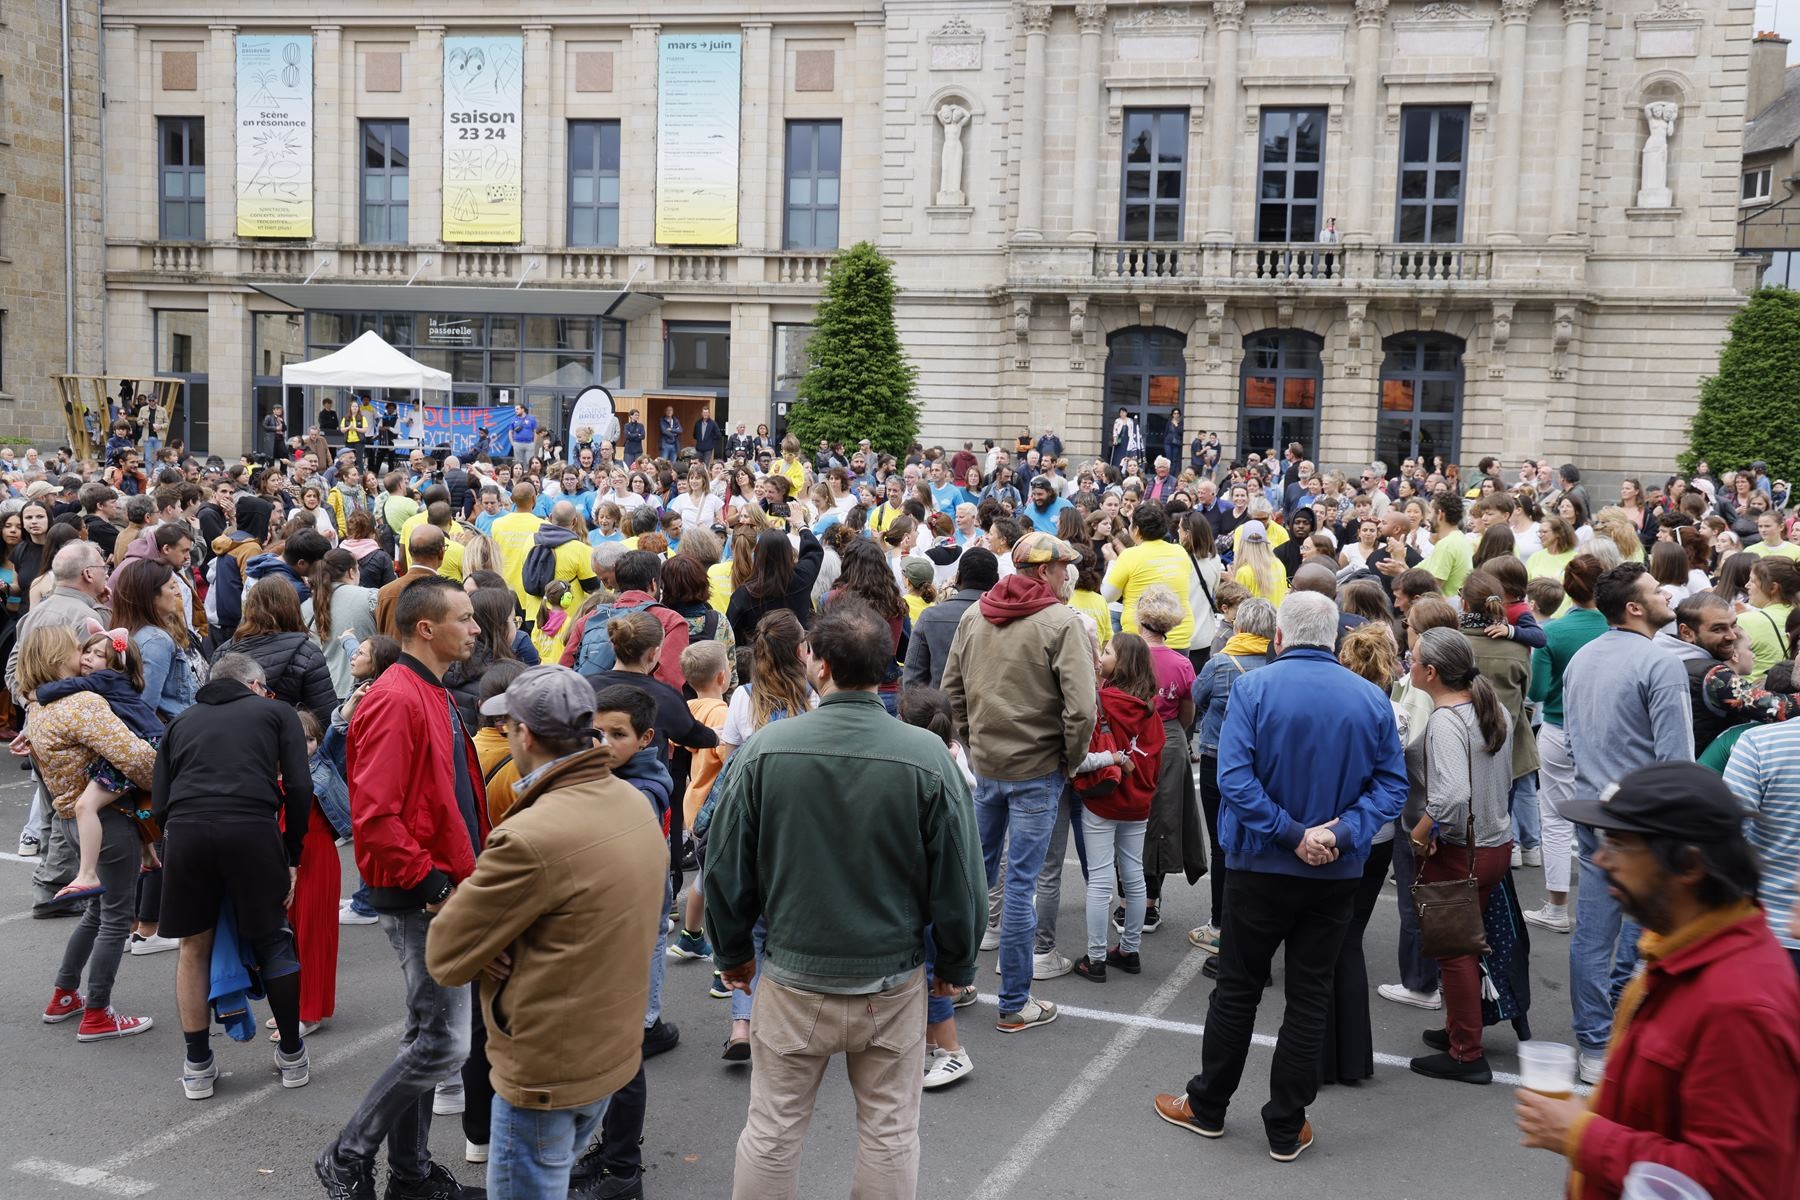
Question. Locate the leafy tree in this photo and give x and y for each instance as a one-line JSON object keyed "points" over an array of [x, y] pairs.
{"points": [[1750, 410], [858, 383]]}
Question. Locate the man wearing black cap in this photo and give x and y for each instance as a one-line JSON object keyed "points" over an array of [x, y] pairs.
{"points": [[1703, 1074], [562, 911]]}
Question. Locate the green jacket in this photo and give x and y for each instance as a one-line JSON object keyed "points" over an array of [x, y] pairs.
{"points": [[849, 832], [1563, 637]]}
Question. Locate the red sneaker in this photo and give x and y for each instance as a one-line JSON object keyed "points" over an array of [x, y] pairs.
{"points": [[99, 1024], [64, 1004]]}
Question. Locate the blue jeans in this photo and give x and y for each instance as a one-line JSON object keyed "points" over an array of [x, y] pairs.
{"points": [[530, 1151], [741, 1002], [938, 1009], [1127, 837], [1016, 817], [658, 959], [1527, 828], [1602, 950]]}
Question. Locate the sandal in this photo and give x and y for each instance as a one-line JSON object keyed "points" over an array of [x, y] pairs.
{"points": [[69, 897], [307, 1028]]}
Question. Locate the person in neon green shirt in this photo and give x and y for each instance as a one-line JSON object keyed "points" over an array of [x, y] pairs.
{"points": [[1768, 524], [1451, 558], [1147, 563], [1773, 587], [513, 535]]}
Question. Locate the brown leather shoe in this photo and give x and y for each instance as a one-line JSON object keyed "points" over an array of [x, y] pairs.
{"points": [[1290, 1153], [1177, 1111]]}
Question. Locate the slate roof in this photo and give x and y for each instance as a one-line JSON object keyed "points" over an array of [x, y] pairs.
{"points": [[1778, 126]]}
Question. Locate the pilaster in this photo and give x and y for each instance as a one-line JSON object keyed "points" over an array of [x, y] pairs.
{"points": [[329, 138], [1571, 122], [1367, 81], [1228, 18], [220, 83], [637, 139], [425, 132], [1090, 19], [542, 80], [758, 146], [1036, 19], [1509, 121]]}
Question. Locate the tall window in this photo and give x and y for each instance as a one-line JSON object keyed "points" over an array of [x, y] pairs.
{"points": [[1154, 175], [593, 183], [1421, 397], [1144, 372], [183, 168], [814, 156], [1280, 404], [1290, 174], [1433, 150], [387, 151]]}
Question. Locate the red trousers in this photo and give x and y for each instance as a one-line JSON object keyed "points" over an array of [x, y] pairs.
{"points": [[314, 916], [1462, 974]]}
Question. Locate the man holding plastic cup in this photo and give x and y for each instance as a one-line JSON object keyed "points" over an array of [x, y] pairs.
{"points": [[1703, 1073]]}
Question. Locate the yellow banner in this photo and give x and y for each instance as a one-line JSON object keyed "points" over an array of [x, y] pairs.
{"points": [[274, 136]]}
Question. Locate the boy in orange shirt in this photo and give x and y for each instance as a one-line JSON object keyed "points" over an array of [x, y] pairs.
{"points": [[708, 672]]}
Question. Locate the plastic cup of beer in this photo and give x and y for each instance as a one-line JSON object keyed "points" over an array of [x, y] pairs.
{"points": [[1548, 1068], [1653, 1181]]}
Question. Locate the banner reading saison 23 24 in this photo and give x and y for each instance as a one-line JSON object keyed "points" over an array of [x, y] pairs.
{"points": [[697, 85], [483, 139]]}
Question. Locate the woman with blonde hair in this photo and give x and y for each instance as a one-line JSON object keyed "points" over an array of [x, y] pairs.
{"points": [[1257, 570], [1616, 525]]}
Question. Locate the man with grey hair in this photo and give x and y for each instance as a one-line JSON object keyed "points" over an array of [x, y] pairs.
{"points": [[1296, 834], [1162, 485]]}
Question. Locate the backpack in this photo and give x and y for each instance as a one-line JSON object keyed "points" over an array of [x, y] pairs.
{"points": [[540, 569], [596, 652]]}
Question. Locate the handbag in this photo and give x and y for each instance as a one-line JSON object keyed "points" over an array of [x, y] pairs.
{"points": [[1449, 912]]}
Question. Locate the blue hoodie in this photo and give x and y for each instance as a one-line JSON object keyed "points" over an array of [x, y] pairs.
{"points": [[648, 772], [264, 565], [1276, 782]]}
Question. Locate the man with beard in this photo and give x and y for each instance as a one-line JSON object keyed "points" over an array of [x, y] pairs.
{"points": [[1716, 1008]]}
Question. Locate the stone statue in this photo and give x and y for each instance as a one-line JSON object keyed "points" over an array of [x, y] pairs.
{"points": [[1653, 191], [950, 189]]}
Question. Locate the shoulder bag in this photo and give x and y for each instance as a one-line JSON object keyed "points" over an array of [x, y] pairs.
{"points": [[1449, 912]]}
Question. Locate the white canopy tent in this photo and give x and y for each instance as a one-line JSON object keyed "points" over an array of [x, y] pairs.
{"points": [[368, 362]]}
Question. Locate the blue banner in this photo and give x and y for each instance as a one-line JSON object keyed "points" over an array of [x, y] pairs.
{"points": [[466, 430]]}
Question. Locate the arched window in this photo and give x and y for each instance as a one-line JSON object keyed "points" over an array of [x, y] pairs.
{"points": [[1144, 370], [1280, 394], [1421, 397]]}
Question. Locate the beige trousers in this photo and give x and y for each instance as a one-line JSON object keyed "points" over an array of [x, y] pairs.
{"points": [[793, 1035]]}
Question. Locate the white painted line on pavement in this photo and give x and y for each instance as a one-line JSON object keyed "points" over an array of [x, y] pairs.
{"points": [[1140, 1020], [20, 858], [1037, 1139], [87, 1177], [103, 1177]]}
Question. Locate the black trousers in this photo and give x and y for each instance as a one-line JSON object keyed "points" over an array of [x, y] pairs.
{"points": [[1209, 804], [478, 1086], [622, 1128], [1264, 911]]}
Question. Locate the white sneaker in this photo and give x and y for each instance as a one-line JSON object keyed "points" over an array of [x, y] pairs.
{"points": [[1591, 1067], [1204, 937], [1554, 917], [156, 943], [447, 1100], [294, 1071], [1050, 965], [1533, 856], [1518, 859], [1399, 993], [947, 1066], [475, 1152], [30, 847], [197, 1082], [349, 916], [990, 937]]}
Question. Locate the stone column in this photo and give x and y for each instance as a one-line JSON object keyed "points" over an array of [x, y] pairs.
{"points": [[228, 398], [542, 76], [130, 136], [219, 76], [637, 138], [1030, 226], [1510, 119], [757, 147], [1228, 18], [1365, 95], [425, 180], [1086, 176], [1571, 122], [330, 141]]}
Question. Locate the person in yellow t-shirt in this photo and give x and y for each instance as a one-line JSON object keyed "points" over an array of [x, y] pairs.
{"points": [[513, 534], [1086, 596], [574, 559], [918, 574], [1256, 569], [1148, 562], [790, 467], [1768, 524]]}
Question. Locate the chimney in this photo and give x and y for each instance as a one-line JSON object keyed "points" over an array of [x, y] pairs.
{"points": [[1768, 73]]}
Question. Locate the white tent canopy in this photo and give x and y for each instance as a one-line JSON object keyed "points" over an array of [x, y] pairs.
{"points": [[368, 362]]}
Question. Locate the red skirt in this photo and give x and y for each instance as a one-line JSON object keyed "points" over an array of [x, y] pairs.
{"points": [[314, 916]]}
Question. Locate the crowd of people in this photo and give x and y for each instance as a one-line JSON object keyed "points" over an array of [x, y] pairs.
{"points": [[829, 719]]}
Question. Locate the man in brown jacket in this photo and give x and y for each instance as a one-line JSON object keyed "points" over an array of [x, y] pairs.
{"points": [[425, 551], [558, 921]]}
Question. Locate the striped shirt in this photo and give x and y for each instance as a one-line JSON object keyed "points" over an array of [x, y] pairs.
{"points": [[1764, 773]]}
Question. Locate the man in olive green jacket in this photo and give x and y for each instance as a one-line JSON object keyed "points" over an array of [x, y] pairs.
{"points": [[848, 833]]}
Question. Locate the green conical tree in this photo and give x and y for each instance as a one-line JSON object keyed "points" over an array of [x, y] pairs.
{"points": [[858, 383], [1750, 410]]}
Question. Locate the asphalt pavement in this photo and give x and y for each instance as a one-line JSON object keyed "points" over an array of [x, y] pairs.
{"points": [[1063, 1111]]}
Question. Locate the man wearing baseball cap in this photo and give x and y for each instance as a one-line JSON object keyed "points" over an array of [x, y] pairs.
{"points": [[1703, 1073], [561, 912], [1020, 676]]}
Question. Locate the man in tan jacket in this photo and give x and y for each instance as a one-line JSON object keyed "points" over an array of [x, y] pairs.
{"points": [[558, 921]]}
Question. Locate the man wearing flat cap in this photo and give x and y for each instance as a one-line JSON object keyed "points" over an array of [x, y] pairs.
{"points": [[557, 922], [1703, 1072]]}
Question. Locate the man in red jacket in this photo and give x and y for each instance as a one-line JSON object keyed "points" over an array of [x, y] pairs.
{"points": [[1703, 1073], [418, 817]]}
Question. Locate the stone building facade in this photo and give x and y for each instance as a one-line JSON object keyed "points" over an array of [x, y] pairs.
{"points": [[1091, 206], [35, 212]]}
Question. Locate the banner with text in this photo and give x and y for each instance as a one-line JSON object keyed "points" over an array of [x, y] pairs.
{"points": [[697, 98], [274, 136], [483, 139], [466, 430]]}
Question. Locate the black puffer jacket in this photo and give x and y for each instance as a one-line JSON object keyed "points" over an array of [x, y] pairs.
{"points": [[293, 667]]}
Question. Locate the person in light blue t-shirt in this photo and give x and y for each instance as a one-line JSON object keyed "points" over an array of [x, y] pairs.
{"points": [[945, 494], [1044, 507]]}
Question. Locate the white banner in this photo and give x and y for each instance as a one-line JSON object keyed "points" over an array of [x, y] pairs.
{"points": [[274, 135], [484, 164]]}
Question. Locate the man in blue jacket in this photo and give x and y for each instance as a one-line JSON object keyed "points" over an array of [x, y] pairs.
{"points": [[1296, 830]]}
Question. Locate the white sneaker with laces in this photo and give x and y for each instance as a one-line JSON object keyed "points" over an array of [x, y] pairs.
{"points": [[30, 847], [947, 1066], [475, 1152], [447, 1100], [156, 943], [1518, 858], [990, 937], [197, 1081], [1554, 917], [1050, 965], [349, 916], [1204, 937], [1591, 1067], [294, 1070], [1533, 856], [1399, 993]]}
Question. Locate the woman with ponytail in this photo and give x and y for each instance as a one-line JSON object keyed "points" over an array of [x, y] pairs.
{"points": [[1468, 776], [1505, 662], [339, 614]]}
